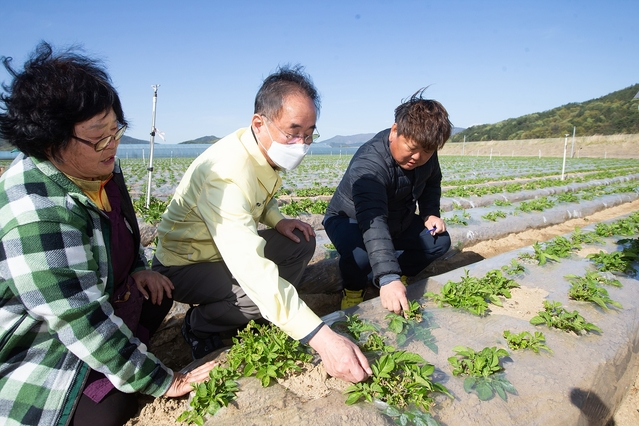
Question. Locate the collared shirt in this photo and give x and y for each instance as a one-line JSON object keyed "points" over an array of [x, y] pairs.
{"points": [[56, 321], [213, 217]]}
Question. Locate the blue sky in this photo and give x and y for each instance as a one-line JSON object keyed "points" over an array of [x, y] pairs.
{"points": [[486, 61]]}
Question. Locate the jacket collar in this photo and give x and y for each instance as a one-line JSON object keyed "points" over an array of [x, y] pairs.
{"points": [[267, 176]]}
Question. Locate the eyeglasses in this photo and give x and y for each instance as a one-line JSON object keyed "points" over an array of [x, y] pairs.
{"points": [[103, 143], [291, 139]]}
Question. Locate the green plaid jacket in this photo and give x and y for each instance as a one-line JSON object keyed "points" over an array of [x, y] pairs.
{"points": [[56, 322]]}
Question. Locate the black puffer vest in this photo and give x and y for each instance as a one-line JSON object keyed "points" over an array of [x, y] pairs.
{"points": [[383, 198]]}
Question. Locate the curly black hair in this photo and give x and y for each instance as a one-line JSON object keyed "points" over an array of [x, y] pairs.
{"points": [[54, 92]]}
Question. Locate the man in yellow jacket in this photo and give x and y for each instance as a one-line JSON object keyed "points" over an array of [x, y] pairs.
{"points": [[209, 244]]}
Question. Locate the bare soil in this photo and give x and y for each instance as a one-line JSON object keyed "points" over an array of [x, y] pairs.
{"points": [[598, 146], [169, 346]]}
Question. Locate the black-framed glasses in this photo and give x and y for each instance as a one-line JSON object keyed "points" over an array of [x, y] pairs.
{"points": [[291, 139], [103, 143]]}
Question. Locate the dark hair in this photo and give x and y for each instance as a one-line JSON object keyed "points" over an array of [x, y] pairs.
{"points": [[285, 81], [423, 121], [50, 96]]}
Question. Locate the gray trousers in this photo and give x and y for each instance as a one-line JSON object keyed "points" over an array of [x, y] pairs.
{"points": [[222, 304]]}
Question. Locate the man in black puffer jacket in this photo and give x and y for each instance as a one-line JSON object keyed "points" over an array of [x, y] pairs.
{"points": [[384, 216]]}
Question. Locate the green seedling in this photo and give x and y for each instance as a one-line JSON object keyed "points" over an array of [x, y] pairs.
{"points": [[476, 364], [494, 215], [618, 261], [481, 367], [263, 351], [399, 379], [625, 227], [473, 294], [314, 192], [375, 343], [587, 289], [540, 255], [561, 247], [152, 214], [413, 324], [579, 237], [526, 340], [353, 326], [459, 220], [567, 197], [556, 316], [499, 285], [304, 206], [503, 203], [552, 250], [514, 268], [211, 395], [266, 352], [539, 204]]}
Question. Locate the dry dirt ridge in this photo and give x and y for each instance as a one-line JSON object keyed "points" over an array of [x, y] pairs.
{"points": [[276, 405]]}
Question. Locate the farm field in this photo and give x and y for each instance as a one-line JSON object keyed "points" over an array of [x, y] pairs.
{"points": [[476, 191], [483, 199], [550, 386]]}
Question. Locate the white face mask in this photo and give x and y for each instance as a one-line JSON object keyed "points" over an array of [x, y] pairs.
{"points": [[286, 156]]}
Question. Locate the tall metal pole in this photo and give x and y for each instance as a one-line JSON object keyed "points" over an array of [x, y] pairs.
{"points": [[150, 168], [563, 168]]}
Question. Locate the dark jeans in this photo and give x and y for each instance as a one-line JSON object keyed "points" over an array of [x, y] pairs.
{"points": [[418, 249], [222, 304]]}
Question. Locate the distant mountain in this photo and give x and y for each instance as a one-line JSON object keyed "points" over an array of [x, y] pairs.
{"points": [[128, 140], [615, 113], [359, 139], [348, 141], [203, 139]]}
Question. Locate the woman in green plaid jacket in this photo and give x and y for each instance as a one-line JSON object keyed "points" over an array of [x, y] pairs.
{"points": [[77, 301]]}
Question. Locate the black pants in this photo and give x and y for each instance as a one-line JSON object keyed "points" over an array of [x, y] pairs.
{"points": [[417, 247], [222, 303], [116, 408]]}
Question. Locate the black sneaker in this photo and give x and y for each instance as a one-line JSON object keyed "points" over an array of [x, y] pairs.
{"points": [[200, 347]]}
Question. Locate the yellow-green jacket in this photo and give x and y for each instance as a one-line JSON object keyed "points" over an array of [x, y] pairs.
{"points": [[213, 217]]}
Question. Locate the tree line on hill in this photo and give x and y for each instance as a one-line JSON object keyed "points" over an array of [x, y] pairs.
{"points": [[615, 113]]}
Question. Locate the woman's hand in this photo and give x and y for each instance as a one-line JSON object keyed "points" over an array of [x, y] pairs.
{"points": [[156, 283], [181, 384]]}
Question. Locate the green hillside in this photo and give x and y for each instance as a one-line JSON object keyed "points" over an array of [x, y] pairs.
{"points": [[203, 139], [615, 113]]}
